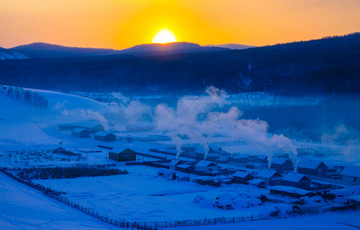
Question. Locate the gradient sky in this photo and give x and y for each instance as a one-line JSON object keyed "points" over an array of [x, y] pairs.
{"points": [[123, 23]]}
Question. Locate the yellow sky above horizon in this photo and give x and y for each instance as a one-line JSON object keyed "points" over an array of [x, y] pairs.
{"points": [[121, 24]]}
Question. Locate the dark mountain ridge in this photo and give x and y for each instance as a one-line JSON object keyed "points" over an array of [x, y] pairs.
{"points": [[324, 66]]}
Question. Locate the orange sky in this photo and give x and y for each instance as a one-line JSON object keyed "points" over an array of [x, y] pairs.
{"points": [[123, 23]]}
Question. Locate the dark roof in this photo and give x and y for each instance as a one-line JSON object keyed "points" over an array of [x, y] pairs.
{"points": [[309, 164], [205, 163], [296, 178], [267, 174], [241, 174]]}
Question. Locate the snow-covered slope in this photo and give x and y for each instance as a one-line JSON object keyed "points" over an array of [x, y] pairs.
{"points": [[22, 207], [23, 125]]}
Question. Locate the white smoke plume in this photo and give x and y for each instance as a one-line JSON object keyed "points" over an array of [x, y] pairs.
{"points": [[87, 114], [199, 118]]}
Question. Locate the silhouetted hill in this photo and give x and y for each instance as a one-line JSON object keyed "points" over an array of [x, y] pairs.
{"points": [[44, 50], [324, 66], [170, 48]]}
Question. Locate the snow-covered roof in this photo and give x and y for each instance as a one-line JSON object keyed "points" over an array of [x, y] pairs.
{"points": [[290, 190], [120, 149], [292, 177], [309, 164], [267, 174], [278, 161], [175, 162], [241, 174], [183, 166], [103, 133], [353, 171], [205, 163]]}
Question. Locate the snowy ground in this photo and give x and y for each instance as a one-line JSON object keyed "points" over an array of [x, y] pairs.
{"points": [[329, 221], [141, 195]]}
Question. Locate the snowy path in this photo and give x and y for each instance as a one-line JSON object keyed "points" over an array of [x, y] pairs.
{"points": [[22, 207]]}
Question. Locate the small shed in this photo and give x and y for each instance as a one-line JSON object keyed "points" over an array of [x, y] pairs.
{"points": [[316, 168], [242, 177], [81, 133], [122, 154], [282, 165], [351, 174], [104, 136], [296, 180], [270, 177], [205, 167]]}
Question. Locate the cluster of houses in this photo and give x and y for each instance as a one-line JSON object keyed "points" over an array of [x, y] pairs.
{"points": [[85, 129], [280, 178]]}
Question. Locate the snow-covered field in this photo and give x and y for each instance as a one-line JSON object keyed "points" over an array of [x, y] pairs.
{"points": [[141, 195], [22, 207]]}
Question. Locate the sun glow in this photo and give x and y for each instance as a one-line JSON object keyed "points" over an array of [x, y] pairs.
{"points": [[164, 36]]}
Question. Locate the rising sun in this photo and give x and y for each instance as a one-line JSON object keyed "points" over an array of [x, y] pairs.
{"points": [[164, 36]]}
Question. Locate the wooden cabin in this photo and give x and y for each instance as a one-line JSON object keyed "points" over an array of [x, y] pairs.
{"points": [[186, 168], [296, 180], [282, 165], [104, 136], [173, 163], [206, 167], [122, 154], [242, 177], [81, 133], [270, 177], [315, 168]]}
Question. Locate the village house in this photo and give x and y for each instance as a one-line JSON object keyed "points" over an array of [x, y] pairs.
{"points": [[104, 136], [315, 168], [351, 174], [122, 154], [242, 177], [206, 167], [173, 163], [81, 133], [270, 177], [296, 180], [186, 168], [282, 165]]}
